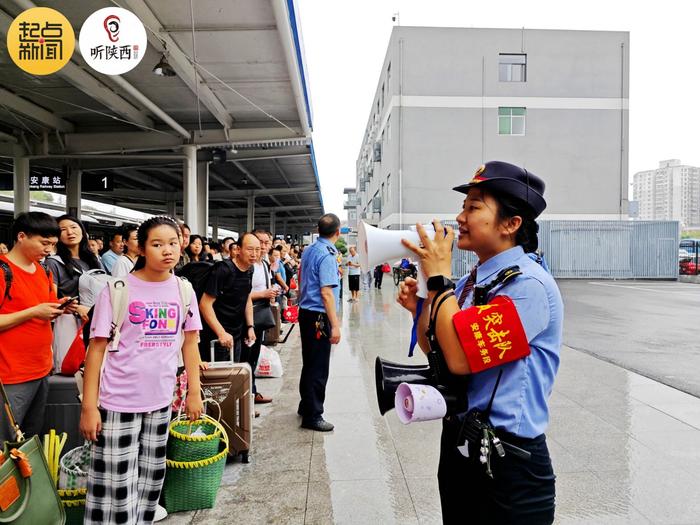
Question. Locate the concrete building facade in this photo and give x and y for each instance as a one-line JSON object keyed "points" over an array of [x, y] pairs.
{"points": [[670, 192], [450, 99]]}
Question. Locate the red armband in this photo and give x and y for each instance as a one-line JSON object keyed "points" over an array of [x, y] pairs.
{"points": [[492, 334]]}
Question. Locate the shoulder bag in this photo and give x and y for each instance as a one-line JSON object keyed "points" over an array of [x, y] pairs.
{"points": [[27, 493], [263, 318]]}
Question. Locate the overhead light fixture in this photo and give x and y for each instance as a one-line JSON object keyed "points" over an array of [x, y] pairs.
{"points": [[218, 155], [163, 69]]}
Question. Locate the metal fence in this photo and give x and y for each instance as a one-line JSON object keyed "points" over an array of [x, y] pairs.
{"points": [[602, 250]]}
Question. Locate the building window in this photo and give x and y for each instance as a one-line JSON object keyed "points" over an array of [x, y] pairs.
{"points": [[388, 76], [376, 206], [512, 68], [511, 121], [388, 127], [388, 187]]}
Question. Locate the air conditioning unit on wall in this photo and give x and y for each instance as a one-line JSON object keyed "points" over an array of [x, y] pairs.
{"points": [[377, 152], [377, 204]]}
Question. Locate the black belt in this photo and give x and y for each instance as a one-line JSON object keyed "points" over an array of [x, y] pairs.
{"points": [[471, 431], [514, 449]]}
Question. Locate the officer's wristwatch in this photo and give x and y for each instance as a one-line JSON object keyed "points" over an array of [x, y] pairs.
{"points": [[439, 283]]}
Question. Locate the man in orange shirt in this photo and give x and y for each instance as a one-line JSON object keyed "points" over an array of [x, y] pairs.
{"points": [[28, 303]]}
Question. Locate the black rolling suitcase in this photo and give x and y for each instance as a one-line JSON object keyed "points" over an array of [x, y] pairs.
{"points": [[63, 410]]}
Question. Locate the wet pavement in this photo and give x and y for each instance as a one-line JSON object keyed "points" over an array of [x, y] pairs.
{"points": [[626, 449], [649, 327]]}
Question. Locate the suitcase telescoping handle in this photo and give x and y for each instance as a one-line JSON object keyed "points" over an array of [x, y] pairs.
{"points": [[213, 363]]}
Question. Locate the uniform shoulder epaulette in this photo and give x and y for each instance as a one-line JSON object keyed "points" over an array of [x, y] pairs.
{"points": [[331, 250]]}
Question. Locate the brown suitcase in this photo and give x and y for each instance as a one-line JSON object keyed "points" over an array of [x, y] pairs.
{"points": [[231, 385], [272, 335]]}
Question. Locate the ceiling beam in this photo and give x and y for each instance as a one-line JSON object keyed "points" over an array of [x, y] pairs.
{"points": [[220, 179], [215, 194], [98, 143], [286, 179], [153, 182], [166, 175], [95, 89], [108, 166], [255, 181], [213, 28], [229, 212], [6, 137], [179, 61], [9, 150], [36, 113]]}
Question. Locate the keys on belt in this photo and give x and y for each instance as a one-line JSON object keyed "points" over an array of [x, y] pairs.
{"points": [[320, 326], [476, 430], [488, 440]]}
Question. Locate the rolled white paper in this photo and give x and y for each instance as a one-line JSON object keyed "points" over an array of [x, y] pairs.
{"points": [[418, 403]]}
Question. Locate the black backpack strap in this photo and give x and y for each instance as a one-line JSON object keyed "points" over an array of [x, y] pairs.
{"points": [[268, 273], [231, 266], [7, 274], [46, 269]]}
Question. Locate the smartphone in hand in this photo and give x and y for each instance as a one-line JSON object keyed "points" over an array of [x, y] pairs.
{"points": [[68, 302]]}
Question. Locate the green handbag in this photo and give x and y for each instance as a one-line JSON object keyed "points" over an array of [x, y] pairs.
{"points": [[28, 500]]}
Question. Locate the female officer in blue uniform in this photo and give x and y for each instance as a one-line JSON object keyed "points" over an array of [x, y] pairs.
{"points": [[477, 483]]}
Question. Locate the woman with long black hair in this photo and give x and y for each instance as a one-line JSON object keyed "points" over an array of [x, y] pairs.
{"points": [[73, 257], [195, 249]]}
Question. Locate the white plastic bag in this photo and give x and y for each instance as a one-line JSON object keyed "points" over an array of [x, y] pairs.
{"points": [[269, 363]]}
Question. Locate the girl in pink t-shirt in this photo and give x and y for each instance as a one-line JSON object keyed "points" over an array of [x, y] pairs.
{"points": [[126, 408]]}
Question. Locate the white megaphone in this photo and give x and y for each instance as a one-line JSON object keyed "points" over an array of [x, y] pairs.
{"points": [[376, 246]]}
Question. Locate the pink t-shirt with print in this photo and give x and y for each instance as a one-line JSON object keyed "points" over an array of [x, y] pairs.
{"points": [[140, 376]]}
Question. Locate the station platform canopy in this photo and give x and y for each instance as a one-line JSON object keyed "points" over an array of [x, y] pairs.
{"points": [[224, 138]]}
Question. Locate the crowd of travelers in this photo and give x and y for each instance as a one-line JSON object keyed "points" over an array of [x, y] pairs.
{"points": [[129, 371]]}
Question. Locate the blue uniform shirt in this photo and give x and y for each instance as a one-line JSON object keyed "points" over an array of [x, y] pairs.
{"points": [[281, 270], [108, 260], [520, 405], [319, 268]]}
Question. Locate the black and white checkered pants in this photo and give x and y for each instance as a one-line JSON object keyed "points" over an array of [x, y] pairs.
{"points": [[127, 468]]}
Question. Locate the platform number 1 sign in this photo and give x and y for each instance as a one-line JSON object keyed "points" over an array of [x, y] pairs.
{"points": [[98, 183]]}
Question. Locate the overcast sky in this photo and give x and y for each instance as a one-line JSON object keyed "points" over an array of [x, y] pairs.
{"points": [[345, 44]]}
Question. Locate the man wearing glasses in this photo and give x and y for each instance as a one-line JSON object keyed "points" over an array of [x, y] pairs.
{"points": [[226, 305]]}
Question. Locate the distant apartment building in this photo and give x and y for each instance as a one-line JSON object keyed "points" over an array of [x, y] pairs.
{"points": [[450, 99], [670, 192]]}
